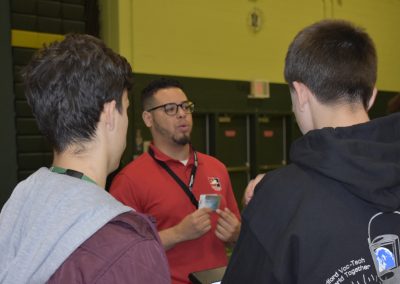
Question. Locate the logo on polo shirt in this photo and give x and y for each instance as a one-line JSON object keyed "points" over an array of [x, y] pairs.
{"points": [[215, 183]]}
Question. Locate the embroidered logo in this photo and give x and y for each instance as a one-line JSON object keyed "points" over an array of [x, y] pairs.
{"points": [[215, 183]]}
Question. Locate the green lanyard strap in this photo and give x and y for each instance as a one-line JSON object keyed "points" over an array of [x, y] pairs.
{"points": [[71, 173]]}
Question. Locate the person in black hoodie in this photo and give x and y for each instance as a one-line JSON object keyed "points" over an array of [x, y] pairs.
{"points": [[332, 215]]}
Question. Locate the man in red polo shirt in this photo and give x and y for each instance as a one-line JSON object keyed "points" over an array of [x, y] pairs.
{"points": [[167, 182]]}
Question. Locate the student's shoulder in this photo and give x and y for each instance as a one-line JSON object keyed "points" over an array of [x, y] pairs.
{"points": [[122, 231], [279, 193], [278, 186], [286, 176], [139, 222], [126, 234]]}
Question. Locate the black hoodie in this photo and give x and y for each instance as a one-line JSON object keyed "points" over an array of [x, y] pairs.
{"points": [[330, 216]]}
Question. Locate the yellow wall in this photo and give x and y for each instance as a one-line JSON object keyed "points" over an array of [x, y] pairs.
{"points": [[30, 39], [116, 26], [212, 38]]}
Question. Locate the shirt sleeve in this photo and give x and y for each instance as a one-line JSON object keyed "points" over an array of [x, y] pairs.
{"points": [[124, 190]]}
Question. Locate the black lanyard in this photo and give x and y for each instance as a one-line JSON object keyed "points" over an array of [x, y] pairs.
{"points": [[186, 188]]}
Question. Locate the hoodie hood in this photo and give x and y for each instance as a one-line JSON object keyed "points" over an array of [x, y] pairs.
{"points": [[365, 158], [46, 218]]}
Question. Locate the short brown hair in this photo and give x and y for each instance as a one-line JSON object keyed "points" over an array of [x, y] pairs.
{"points": [[336, 60]]}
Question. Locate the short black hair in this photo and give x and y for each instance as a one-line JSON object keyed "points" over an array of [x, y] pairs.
{"points": [[336, 60], [67, 84], [154, 86]]}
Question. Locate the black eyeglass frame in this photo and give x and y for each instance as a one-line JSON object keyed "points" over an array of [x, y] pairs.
{"points": [[188, 110]]}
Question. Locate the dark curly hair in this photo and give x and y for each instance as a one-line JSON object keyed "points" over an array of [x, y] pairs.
{"points": [[67, 84], [154, 86]]}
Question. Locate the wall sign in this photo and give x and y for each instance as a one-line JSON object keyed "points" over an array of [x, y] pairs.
{"points": [[230, 133]]}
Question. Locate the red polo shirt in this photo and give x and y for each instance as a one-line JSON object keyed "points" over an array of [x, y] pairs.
{"points": [[147, 187]]}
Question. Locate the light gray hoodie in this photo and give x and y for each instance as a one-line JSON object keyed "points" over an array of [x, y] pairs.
{"points": [[46, 218]]}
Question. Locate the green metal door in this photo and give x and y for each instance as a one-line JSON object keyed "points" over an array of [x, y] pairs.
{"points": [[231, 146], [200, 132], [269, 151]]}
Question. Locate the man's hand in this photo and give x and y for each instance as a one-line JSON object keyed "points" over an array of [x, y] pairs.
{"points": [[248, 193], [228, 226], [195, 225], [191, 227]]}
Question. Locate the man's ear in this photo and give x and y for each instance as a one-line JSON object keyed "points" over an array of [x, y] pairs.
{"points": [[372, 99], [108, 114], [301, 94], [147, 119]]}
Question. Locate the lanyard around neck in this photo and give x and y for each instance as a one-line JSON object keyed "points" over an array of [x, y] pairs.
{"points": [[186, 188], [71, 173]]}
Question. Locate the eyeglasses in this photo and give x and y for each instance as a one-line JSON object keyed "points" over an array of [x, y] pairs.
{"points": [[172, 108]]}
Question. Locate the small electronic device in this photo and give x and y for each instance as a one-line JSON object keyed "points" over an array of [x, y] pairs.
{"points": [[209, 201], [209, 276]]}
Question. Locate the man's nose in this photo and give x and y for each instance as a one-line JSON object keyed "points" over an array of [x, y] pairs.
{"points": [[181, 112]]}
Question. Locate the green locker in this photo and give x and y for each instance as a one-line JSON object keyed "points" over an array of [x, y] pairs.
{"points": [[200, 132], [51, 9], [231, 146], [269, 148], [73, 12]]}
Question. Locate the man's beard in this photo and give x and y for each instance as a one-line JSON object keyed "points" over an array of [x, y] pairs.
{"points": [[183, 140]]}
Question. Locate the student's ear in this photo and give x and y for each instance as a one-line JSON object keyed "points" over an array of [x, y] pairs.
{"points": [[302, 94], [372, 99], [108, 114], [147, 118]]}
